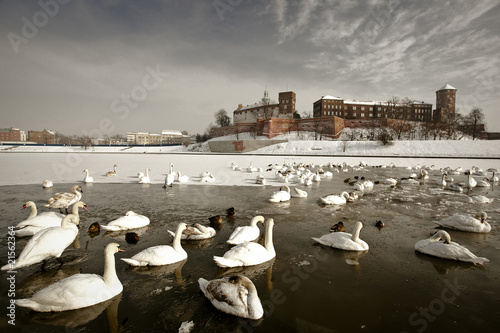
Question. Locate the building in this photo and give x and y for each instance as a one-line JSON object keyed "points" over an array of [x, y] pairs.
{"points": [[11, 134], [265, 109], [42, 137], [445, 103], [167, 137]]}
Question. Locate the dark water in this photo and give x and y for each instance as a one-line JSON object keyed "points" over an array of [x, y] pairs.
{"points": [[307, 288]]}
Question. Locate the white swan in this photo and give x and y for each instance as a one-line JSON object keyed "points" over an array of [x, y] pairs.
{"points": [[454, 188], [478, 199], [250, 253], [409, 181], [207, 177], [389, 181], [64, 200], [131, 220], [344, 240], [493, 178], [112, 173], [196, 232], [170, 177], [233, 294], [246, 233], [335, 199], [47, 184], [87, 179], [161, 254], [442, 181], [182, 178], [35, 222], [469, 182], [466, 223], [260, 180], [79, 290], [440, 245], [281, 195], [49, 242], [145, 178], [483, 183], [298, 193]]}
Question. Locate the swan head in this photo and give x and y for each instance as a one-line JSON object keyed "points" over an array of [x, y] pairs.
{"points": [[130, 213], [441, 235], [28, 204], [77, 188], [72, 218], [113, 248], [81, 204], [482, 216]]}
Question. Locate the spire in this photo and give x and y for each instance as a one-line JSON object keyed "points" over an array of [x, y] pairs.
{"points": [[266, 99]]}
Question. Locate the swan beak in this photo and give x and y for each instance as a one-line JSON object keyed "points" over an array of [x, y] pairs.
{"points": [[85, 207], [24, 206], [78, 225], [120, 250]]}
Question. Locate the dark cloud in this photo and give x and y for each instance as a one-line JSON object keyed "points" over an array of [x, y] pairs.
{"points": [[89, 54]]}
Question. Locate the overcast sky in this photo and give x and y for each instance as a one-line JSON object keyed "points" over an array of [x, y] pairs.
{"points": [[108, 67]]}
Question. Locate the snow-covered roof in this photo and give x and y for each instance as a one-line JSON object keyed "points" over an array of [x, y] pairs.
{"points": [[258, 104], [171, 132], [447, 87], [331, 97]]}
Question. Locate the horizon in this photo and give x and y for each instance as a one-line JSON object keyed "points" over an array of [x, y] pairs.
{"points": [[115, 66]]}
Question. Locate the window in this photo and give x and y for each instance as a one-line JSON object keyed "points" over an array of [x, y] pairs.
{"points": [[371, 108], [362, 108], [362, 114], [354, 108]]}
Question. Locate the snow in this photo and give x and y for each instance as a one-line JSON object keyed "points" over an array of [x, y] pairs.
{"points": [[33, 164]]}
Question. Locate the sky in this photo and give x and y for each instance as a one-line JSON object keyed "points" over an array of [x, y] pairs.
{"points": [[105, 67]]}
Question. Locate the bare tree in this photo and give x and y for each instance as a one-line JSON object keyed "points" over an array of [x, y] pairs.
{"points": [[222, 119], [474, 122]]}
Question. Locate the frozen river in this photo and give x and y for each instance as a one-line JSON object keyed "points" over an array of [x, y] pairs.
{"points": [[307, 288]]}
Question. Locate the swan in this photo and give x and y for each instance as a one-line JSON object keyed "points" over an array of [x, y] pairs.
{"points": [[145, 178], [281, 195], [207, 177], [247, 233], [344, 240], [466, 223], [409, 181], [423, 174], [35, 222], [454, 187], [49, 242], [493, 178], [298, 193], [442, 181], [469, 182], [359, 187], [161, 254], [353, 196], [260, 180], [478, 199], [112, 173], [182, 178], [250, 253], [440, 245], [87, 179], [233, 294], [335, 199], [64, 200], [47, 184], [169, 178], [483, 183], [131, 220], [389, 181], [196, 232], [79, 290]]}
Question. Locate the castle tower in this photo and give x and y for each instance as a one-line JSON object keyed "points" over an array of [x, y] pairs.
{"points": [[445, 103], [266, 99], [286, 104]]}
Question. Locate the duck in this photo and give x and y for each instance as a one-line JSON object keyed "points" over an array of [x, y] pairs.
{"points": [[379, 224], [161, 254], [35, 222], [170, 177], [440, 245], [335, 199], [442, 181], [247, 233], [182, 178], [87, 179], [112, 173], [298, 193], [338, 227], [230, 212], [64, 200], [466, 223], [79, 290], [131, 237], [196, 232], [131, 220], [250, 253], [94, 227], [282, 195], [344, 240], [145, 178], [47, 243], [216, 219], [233, 294], [47, 184], [478, 199]]}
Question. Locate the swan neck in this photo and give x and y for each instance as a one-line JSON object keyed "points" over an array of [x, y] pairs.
{"points": [[254, 305], [268, 243], [33, 211], [355, 234], [177, 240], [74, 210], [109, 275]]}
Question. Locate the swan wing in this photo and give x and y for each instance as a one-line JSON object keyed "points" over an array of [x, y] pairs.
{"points": [[227, 297], [159, 255], [244, 234]]}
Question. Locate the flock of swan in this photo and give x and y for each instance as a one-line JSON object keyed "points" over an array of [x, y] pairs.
{"points": [[51, 233]]}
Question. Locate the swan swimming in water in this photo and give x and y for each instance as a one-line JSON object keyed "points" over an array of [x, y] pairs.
{"points": [[47, 243], [87, 178], [196, 232], [343, 240], [169, 178], [298, 193], [478, 199], [182, 178], [233, 294], [47, 184], [281, 195], [335, 199], [466, 223], [79, 290], [112, 173], [161, 254], [64, 200], [440, 245], [131, 220], [145, 178], [250, 253], [247, 233]]}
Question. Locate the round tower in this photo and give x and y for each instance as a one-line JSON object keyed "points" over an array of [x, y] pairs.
{"points": [[445, 103]]}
